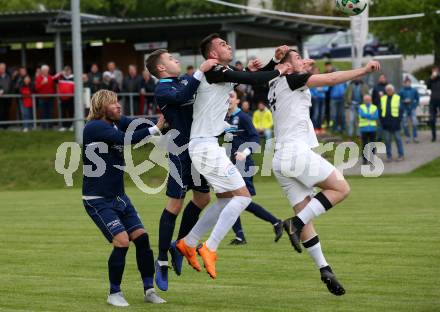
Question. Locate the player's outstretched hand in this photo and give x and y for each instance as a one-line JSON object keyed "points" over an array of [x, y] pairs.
{"points": [[239, 156], [280, 52], [254, 65], [207, 65], [284, 68], [160, 122], [372, 66]]}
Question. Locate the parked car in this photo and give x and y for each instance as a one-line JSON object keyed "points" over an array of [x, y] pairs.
{"points": [[338, 45]]}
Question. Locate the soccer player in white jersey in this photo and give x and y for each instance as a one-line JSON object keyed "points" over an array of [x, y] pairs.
{"points": [[297, 168], [210, 160]]}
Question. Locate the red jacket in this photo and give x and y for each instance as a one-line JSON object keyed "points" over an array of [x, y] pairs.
{"points": [[66, 86], [26, 91], [48, 87]]}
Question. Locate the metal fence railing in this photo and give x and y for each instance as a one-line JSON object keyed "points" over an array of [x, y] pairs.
{"points": [[130, 103]]}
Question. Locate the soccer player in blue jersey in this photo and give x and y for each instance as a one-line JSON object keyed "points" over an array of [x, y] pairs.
{"points": [[242, 134], [175, 97], [104, 196]]}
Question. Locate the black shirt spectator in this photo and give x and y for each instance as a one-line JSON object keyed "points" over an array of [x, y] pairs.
{"points": [[379, 90], [94, 79], [148, 85]]}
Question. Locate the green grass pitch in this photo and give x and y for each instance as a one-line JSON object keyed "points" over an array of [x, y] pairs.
{"points": [[383, 242]]}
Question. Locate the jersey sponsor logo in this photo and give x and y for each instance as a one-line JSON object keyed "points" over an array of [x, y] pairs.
{"points": [[184, 82]]}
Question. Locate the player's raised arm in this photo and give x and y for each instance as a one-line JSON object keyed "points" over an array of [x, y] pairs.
{"points": [[224, 74], [165, 67], [335, 78], [256, 65]]}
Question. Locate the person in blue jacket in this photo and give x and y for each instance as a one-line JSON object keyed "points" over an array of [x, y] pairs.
{"points": [[409, 99], [337, 107], [242, 135], [318, 101]]}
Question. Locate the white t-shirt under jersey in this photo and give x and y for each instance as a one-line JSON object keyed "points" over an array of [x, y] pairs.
{"points": [[290, 102]]}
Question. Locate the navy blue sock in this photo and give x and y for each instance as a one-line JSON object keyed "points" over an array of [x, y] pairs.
{"points": [[189, 219], [262, 213], [166, 230], [145, 260], [238, 229], [116, 264]]}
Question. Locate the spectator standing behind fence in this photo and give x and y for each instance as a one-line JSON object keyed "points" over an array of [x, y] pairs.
{"points": [[434, 104], [15, 88], [45, 84], [116, 74], [148, 85], [337, 107], [318, 103], [354, 97], [409, 98], [391, 117], [131, 84], [368, 115], [66, 89], [26, 89], [108, 82], [262, 120], [94, 79], [5, 88], [378, 92]]}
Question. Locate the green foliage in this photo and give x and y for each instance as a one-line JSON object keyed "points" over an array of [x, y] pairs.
{"points": [[325, 7], [17, 5], [412, 36], [178, 7], [125, 8], [423, 73]]}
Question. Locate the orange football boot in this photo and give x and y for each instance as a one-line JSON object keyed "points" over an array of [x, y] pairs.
{"points": [[209, 259], [189, 253]]}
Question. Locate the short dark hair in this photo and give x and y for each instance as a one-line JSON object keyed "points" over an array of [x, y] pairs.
{"points": [[327, 63], [189, 67], [286, 56], [206, 44], [153, 60]]}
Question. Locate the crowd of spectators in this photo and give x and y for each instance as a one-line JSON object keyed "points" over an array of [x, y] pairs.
{"points": [[55, 91], [348, 108]]}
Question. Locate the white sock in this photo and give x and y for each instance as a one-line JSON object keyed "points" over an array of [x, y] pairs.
{"points": [[313, 209], [226, 220], [206, 222], [315, 252]]}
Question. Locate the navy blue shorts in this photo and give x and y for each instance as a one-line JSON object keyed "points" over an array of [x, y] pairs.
{"points": [[180, 179], [113, 215]]}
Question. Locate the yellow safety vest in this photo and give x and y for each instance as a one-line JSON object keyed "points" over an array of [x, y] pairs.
{"points": [[395, 104], [364, 122], [262, 119]]}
